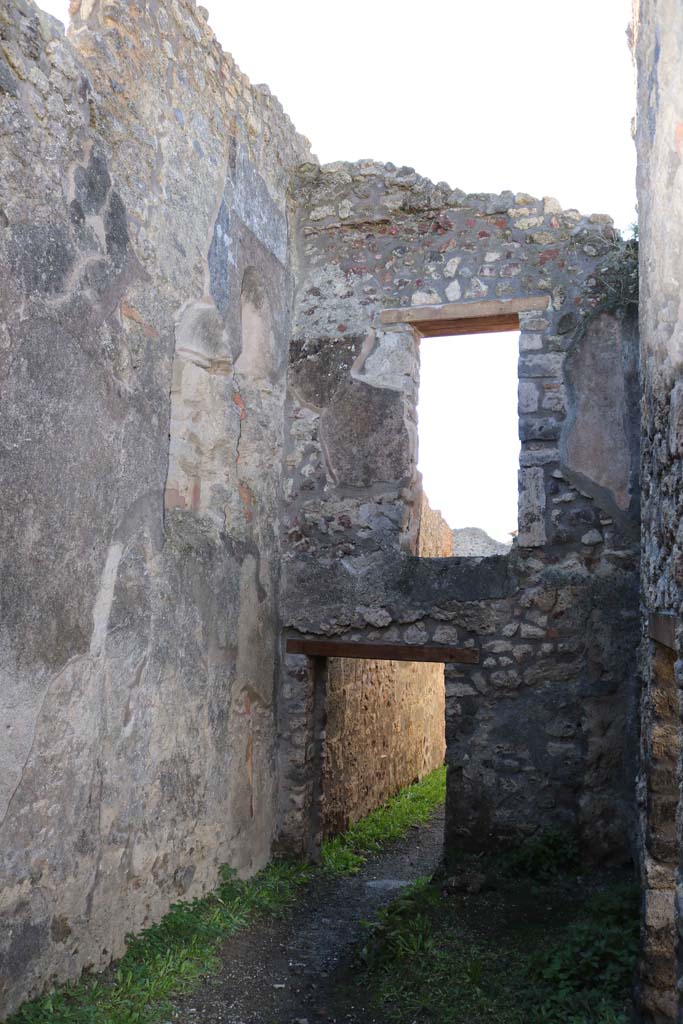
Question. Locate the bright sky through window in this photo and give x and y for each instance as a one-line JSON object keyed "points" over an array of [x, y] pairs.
{"points": [[467, 430]]}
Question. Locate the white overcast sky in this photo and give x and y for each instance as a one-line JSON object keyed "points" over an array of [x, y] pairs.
{"points": [[535, 96]]}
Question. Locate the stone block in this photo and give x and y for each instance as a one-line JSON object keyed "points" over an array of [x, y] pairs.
{"points": [[532, 503]]}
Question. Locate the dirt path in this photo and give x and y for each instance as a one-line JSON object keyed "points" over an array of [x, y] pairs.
{"points": [[293, 972]]}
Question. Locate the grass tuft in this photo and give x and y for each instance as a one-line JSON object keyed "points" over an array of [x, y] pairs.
{"points": [[346, 854], [468, 960], [172, 957]]}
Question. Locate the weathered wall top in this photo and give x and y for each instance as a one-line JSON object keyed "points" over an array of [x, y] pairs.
{"points": [[189, 114]]}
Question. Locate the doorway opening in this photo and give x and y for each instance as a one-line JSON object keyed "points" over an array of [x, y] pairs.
{"points": [[468, 445], [384, 729]]}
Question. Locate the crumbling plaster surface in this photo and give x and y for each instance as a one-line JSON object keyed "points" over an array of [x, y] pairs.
{"points": [[658, 51], [541, 732], [143, 229]]}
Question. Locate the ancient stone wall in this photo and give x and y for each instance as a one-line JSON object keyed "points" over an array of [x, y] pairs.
{"points": [[658, 50], [208, 436], [384, 720], [541, 732], [145, 295]]}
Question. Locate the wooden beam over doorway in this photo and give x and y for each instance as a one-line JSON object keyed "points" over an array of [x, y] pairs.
{"points": [[452, 318], [382, 652]]}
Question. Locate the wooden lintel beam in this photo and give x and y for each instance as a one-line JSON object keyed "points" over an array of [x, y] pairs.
{"points": [[465, 317], [382, 652], [662, 628], [468, 325]]}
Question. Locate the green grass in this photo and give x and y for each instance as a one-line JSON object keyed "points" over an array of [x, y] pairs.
{"points": [[543, 857], [555, 951], [172, 957], [540, 947], [346, 854]]}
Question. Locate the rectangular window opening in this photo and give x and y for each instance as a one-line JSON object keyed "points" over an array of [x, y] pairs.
{"points": [[468, 444]]}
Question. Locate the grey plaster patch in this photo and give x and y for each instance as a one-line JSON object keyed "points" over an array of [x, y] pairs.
{"points": [[41, 255], [255, 206], [218, 259], [116, 229], [595, 442], [319, 367], [365, 437], [91, 183]]}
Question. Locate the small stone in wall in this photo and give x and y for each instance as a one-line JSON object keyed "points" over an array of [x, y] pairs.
{"points": [[430, 298], [531, 508], [376, 616], [506, 680], [415, 635], [527, 396], [320, 212], [477, 289], [445, 635]]}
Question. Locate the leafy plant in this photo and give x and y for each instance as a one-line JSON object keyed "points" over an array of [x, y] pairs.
{"points": [[422, 964], [591, 969], [402, 931], [544, 856]]}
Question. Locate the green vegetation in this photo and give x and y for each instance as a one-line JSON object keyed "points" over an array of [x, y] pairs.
{"points": [[542, 857], [615, 288], [346, 854], [548, 949], [171, 957], [583, 978], [531, 944]]}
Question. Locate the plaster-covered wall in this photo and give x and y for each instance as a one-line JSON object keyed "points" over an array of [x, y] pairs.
{"points": [[658, 50], [145, 295], [541, 732]]}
